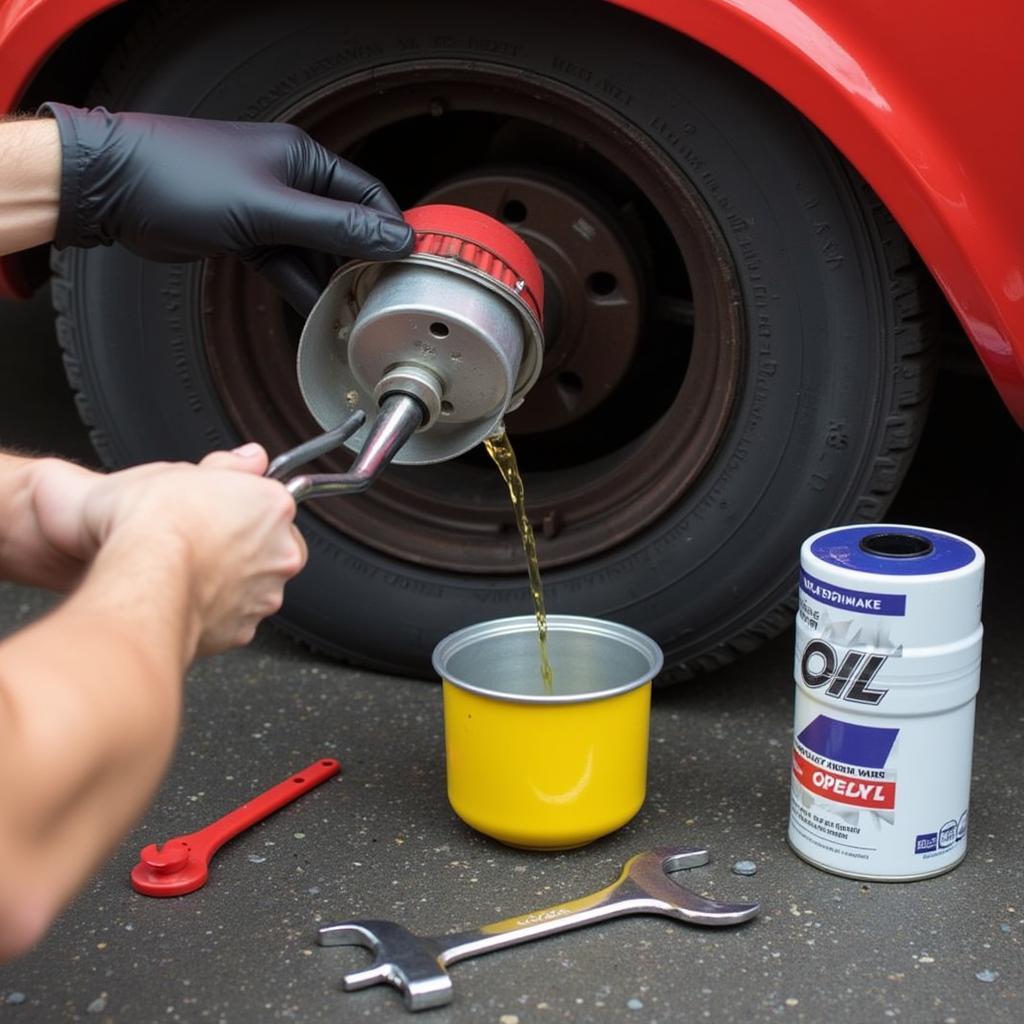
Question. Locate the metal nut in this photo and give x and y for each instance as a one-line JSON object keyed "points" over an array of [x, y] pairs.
{"points": [[409, 379]]}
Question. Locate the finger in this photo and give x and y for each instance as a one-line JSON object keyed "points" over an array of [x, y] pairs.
{"points": [[270, 602], [247, 632], [222, 636], [339, 179], [285, 269], [248, 458], [345, 229], [285, 555], [300, 543]]}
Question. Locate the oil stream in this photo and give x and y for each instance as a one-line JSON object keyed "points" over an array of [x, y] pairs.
{"points": [[499, 447]]}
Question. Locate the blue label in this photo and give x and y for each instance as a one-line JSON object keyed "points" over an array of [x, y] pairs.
{"points": [[926, 843], [867, 746], [852, 600], [842, 547]]}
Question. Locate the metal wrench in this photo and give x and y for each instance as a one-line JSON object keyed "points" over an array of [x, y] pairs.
{"points": [[400, 416], [417, 965], [182, 865]]}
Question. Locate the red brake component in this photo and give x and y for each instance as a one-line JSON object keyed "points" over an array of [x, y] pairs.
{"points": [[474, 238], [181, 865]]}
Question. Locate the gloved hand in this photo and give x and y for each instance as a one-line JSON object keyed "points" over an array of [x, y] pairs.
{"points": [[177, 189]]}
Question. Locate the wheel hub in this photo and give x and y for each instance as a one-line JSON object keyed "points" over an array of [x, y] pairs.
{"points": [[643, 348], [455, 325], [591, 278]]}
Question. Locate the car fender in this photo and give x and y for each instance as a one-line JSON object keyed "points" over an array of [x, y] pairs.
{"points": [[30, 30], [878, 80], [933, 142]]}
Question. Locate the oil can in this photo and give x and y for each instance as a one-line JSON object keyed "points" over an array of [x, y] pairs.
{"points": [[887, 665]]}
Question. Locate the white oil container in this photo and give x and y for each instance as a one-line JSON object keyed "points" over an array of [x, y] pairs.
{"points": [[888, 655]]}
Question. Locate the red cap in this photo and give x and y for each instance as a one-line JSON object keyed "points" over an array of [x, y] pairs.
{"points": [[474, 238]]}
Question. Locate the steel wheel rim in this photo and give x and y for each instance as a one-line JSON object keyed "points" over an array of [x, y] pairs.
{"points": [[456, 517]]}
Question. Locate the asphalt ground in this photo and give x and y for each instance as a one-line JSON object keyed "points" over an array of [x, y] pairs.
{"points": [[380, 840]]}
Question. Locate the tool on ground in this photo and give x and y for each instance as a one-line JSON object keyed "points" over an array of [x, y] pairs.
{"points": [[181, 865], [417, 965], [420, 359]]}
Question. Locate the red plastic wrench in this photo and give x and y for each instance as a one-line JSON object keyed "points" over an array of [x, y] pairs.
{"points": [[181, 865]]}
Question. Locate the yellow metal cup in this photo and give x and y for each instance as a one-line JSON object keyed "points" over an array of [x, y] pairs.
{"points": [[547, 771]]}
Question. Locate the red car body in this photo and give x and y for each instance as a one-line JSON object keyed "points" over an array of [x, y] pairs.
{"points": [[914, 94]]}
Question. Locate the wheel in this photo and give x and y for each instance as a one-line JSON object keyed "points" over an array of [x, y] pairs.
{"points": [[736, 343]]}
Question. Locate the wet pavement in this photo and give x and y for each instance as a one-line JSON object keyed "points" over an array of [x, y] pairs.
{"points": [[380, 840]]}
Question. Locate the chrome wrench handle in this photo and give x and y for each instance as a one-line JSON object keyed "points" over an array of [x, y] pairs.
{"points": [[400, 416], [322, 444], [642, 888], [416, 965]]}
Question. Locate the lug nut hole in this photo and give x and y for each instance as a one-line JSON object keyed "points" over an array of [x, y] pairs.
{"points": [[514, 212], [447, 408], [570, 382], [602, 283], [438, 329]]}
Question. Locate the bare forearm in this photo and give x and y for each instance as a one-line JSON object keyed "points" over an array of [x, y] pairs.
{"points": [[30, 177], [89, 708]]}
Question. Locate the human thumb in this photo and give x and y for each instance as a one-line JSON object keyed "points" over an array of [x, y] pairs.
{"points": [[247, 458]]}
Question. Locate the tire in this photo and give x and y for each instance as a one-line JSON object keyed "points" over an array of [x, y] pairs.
{"points": [[804, 363]]}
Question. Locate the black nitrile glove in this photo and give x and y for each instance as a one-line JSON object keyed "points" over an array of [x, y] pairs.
{"points": [[178, 189]]}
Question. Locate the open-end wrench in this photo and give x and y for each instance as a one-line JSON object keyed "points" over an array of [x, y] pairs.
{"points": [[399, 417], [417, 965], [181, 865]]}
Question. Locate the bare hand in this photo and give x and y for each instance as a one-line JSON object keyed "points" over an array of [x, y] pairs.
{"points": [[230, 529]]}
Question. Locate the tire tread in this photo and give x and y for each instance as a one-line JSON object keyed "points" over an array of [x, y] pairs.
{"points": [[914, 300]]}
